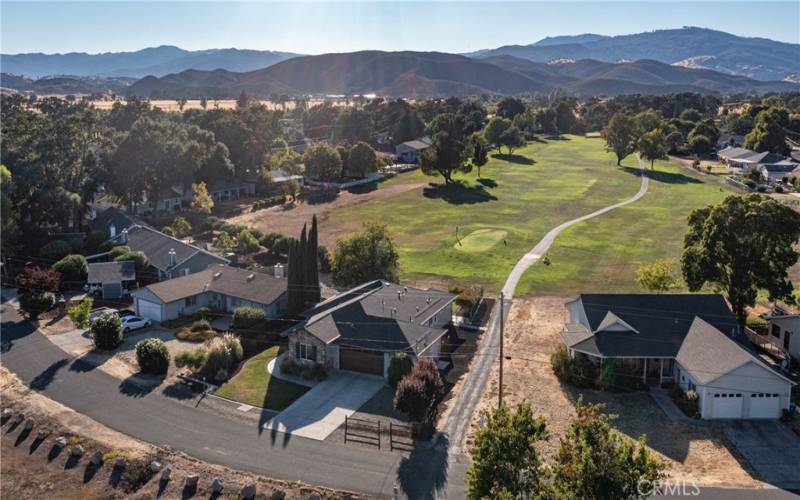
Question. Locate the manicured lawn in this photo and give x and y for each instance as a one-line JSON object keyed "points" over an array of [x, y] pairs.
{"points": [[498, 217], [601, 255], [254, 385]]}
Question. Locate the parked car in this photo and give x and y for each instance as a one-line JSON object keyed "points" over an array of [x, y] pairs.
{"points": [[96, 313], [134, 323]]}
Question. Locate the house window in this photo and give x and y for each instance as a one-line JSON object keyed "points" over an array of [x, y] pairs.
{"points": [[190, 301], [305, 351], [776, 331], [692, 387]]}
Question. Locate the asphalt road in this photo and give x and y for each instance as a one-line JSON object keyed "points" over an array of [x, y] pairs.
{"points": [[157, 419]]}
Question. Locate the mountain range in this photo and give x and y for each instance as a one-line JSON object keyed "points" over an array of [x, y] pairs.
{"points": [[157, 61], [426, 74], [757, 58]]}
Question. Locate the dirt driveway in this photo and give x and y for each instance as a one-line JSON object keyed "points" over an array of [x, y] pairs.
{"points": [[289, 221], [532, 333]]}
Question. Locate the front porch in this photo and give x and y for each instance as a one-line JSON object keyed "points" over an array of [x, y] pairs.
{"points": [[651, 370]]}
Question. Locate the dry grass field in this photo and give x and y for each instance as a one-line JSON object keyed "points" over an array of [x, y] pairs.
{"points": [[170, 105]]}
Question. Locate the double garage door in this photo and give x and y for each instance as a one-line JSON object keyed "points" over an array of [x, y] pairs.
{"points": [[732, 404], [357, 360], [147, 309]]}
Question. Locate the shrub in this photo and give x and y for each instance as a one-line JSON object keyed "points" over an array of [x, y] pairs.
{"points": [[139, 259], [758, 325], [399, 366], [246, 242], [118, 250], [189, 335], [181, 227], [762, 189], [36, 303], [223, 354], [578, 371], [152, 356], [750, 184], [73, 268], [200, 325], [247, 317], [290, 366], [168, 231], [211, 223], [778, 189], [418, 393], [314, 371], [37, 279], [268, 202], [107, 331], [325, 259], [468, 296], [79, 313], [193, 360], [204, 313], [55, 250]]}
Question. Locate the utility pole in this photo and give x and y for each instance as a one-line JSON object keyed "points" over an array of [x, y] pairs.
{"points": [[502, 321]]}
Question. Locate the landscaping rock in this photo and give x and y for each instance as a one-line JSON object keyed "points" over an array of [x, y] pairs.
{"points": [[61, 441], [97, 458], [29, 424], [166, 473], [18, 418], [77, 450], [7, 413], [191, 480], [216, 485], [278, 494], [41, 434], [249, 490], [119, 462], [155, 466]]}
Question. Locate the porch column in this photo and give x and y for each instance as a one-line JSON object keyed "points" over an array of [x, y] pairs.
{"points": [[644, 373], [661, 372]]}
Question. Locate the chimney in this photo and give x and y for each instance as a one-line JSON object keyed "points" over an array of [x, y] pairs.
{"points": [[112, 231], [173, 257], [124, 237], [278, 270]]}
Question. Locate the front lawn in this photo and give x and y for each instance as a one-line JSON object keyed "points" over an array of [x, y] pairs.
{"points": [[254, 385]]}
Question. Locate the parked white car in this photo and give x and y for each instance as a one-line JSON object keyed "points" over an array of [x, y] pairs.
{"points": [[96, 313], [134, 323]]}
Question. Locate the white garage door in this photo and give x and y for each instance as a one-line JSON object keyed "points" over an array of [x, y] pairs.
{"points": [[764, 405], [726, 405], [149, 310]]}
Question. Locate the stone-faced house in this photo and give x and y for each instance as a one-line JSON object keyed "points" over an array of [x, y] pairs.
{"points": [[361, 329]]}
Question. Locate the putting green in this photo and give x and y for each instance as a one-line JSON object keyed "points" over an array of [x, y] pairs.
{"points": [[481, 240]]}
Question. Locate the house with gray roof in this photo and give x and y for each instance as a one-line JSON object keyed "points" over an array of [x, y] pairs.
{"points": [[220, 288], [361, 329], [111, 280], [410, 151], [168, 256], [690, 340]]}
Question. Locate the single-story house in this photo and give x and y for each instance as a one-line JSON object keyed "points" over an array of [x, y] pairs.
{"points": [[731, 155], [410, 151], [784, 330], [229, 189], [178, 197], [773, 173], [112, 279], [170, 256], [112, 221], [691, 340], [361, 329], [280, 177], [219, 288]]}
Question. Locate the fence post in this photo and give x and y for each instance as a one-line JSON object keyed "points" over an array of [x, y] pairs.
{"points": [[345, 429], [391, 437], [379, 434]]}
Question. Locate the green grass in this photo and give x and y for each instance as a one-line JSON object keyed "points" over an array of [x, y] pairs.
{"points": [[255, 386], [480, 240], [602, 254], [525, 195]]}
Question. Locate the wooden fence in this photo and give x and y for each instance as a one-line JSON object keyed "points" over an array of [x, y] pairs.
{"points": [[359, 430]]}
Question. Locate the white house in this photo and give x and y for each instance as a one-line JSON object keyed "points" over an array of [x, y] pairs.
{"points": [[691, 340], [784, 330]]}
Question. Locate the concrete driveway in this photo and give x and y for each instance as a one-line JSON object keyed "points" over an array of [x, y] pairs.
{"points": [[771, 448], [320, 411]]}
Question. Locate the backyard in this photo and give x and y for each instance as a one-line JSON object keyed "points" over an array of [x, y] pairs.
{"points": [[253, 384]]}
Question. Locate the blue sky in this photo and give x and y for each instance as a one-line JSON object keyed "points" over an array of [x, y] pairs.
{"points": [[319, 27]]}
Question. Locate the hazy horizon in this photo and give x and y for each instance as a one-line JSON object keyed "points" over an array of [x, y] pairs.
{"points": [[315, 28]]}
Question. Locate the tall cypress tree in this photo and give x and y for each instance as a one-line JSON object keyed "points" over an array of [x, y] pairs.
{"points": [[312, 275], [294, 287], [302, 267]]}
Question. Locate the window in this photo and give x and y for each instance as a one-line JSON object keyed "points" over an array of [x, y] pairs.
{"points": [[190, 301], [776, 331], [305, 351]]}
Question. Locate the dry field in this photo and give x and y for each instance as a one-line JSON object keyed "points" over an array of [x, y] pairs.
{"points": [[172, 105], [532, 333]]}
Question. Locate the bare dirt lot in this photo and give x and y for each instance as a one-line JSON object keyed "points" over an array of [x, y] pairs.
{"points": [[33, 468], [532, 332], [289, 221]]}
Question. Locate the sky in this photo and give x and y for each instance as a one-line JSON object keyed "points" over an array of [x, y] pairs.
{"points": [[329, 26]]}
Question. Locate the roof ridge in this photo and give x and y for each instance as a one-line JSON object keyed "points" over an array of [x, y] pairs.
{"points": [[327, 312], [198, 249]]}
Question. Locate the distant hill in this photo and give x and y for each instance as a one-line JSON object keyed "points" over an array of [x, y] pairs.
{"points": [[757, 58], [156, 61], [65, 84], [424, 74]]}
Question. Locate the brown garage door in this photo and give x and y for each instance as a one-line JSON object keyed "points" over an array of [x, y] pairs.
{"points": [[361, 361]]}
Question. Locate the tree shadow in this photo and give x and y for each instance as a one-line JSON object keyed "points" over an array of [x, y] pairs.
{"points": [[138, 386], [90, 471], [557, 137], [55, 451], [116, 475], [188, 491], [489, 183], [321, 196], [43, 380], [665, 177], [179, 390], [457, 193], [87, 362], [518, 159], [11, 331], [423, 474], [72, 461], [38, 440], [363, 188], [22, 436]]}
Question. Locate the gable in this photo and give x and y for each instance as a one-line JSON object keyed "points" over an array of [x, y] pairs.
{"points": [[613, 323], [753, 377]]}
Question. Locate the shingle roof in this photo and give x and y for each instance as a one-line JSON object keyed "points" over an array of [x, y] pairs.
{"points": [[229, 183], [662, 322], [113, 216], [232, 281], [157, 245], [416, 144], [735, 153], [111, 272], [379, 315]]}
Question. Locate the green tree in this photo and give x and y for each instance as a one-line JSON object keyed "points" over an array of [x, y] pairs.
{"points": [[769, 133], [700, 144], [361, 160], [652, 146], [450, 148], [509, 107], [246, 243], [365, 256], [224, 242], [399, 366], [512, 139], [55, 250], [495, 129], [323, 162], [107, 331], [138, 257], [659, 276], [505, 459], [202, 202], [73, 268], [480, 152], [742, 245], [181, 227], [594, 460], [312, 288], [418, 393], [691, 115], [79, 313], [620, 136], [646, 121]]}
